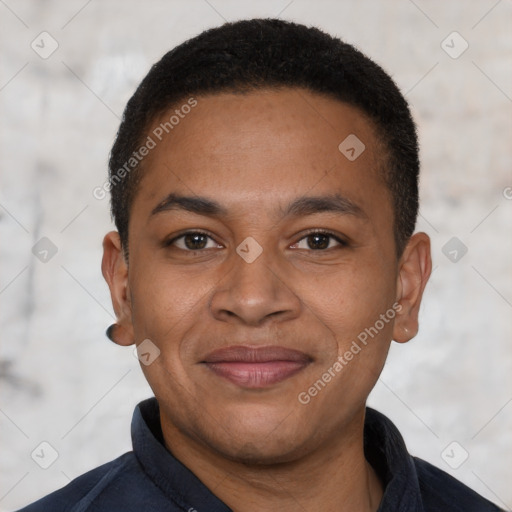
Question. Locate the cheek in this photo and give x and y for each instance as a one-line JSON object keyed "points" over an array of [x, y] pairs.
{"points": [[163, 302], [357, 307], [165, 307], [352, 300]]}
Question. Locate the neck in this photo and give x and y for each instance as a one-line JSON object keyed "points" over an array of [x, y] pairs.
{"points": [[336, 476]]}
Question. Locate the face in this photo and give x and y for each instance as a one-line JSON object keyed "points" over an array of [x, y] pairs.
{"points": [[260, 257]]}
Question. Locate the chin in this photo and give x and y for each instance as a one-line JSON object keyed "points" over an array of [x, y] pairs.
{"points": [[271, 440], [260, 452]]}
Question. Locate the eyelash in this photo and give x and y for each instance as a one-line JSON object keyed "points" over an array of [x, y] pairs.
{"points": [[342, 243]]}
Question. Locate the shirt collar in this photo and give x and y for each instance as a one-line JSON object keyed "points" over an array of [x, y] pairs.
{"points": [[384, 449], [174, 479]]}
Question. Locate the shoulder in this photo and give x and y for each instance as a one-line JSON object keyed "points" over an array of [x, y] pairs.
{"points": [[440, 491], [85, 489]]}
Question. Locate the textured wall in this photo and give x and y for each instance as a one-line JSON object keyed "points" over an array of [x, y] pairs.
{"points": [[65, 384]]}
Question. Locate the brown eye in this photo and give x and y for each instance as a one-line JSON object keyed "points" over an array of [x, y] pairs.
{"points": [[319, 241], [194, 241]]}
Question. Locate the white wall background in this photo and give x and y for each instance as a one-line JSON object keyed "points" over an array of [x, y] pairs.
{"points": [[63, 382]]}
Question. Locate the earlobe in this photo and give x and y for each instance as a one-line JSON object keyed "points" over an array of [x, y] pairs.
{"points": [[415, 269], [115, 271]]}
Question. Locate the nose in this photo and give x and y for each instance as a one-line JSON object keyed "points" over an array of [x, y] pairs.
{"points": [[253, 293]]}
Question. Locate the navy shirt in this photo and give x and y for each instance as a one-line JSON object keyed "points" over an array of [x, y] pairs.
{"points": [[151, 479]]}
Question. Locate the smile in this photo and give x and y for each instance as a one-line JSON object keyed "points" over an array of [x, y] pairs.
{"points": [[256, 367]]}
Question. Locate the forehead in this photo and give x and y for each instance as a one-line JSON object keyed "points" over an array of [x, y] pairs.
{"points": [[262, 146]]}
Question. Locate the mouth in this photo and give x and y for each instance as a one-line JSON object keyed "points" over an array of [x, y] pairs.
{"points": [[256, 367]]}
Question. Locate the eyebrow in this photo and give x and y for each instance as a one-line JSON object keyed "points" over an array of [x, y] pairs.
{"points": [[302, 206]]}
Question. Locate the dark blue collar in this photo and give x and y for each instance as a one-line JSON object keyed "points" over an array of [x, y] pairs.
{"points": [[174, 479], [383, 445], [385, 450]]}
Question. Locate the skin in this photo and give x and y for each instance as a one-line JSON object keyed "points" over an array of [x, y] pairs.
{"points": [[264, 449]]}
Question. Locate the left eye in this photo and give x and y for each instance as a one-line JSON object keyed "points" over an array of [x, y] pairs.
{"points": [[318, 241]]}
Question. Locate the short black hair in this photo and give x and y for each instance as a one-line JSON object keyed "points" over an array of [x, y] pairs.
{"points": [[253, 54]]}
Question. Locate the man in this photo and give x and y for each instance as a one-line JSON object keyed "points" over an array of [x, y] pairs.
{"points": [[264, 185]]}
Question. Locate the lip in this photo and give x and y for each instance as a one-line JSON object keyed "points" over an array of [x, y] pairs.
{"points": [[256, 367]]}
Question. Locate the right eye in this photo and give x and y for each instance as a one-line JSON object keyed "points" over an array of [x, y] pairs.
{"points": [[193, 241]]}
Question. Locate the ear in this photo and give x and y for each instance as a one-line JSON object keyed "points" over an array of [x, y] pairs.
{"points": [[115, 271], [415, 268]]}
